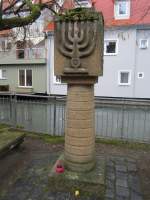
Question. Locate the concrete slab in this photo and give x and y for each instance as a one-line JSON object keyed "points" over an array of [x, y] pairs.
{"points": [[89, 183], [9, 140]]}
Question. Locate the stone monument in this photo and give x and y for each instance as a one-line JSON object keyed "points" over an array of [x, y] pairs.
{"points": [[79, 62]]}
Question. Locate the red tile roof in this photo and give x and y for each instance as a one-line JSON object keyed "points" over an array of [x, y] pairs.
{"points": [[5, 32], [68, 4], [49, 27], [139, 14]]}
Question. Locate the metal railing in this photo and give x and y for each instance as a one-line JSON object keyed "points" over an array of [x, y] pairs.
{"points": [[31, 53], [121, 119]]}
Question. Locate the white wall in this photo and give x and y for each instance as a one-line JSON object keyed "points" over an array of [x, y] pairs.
{"points": [[53, 88], [129, 57], [124, 60], [143, 65]]}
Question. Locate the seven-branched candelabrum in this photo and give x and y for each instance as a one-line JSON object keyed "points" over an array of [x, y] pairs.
{"points": [[77, 39]]}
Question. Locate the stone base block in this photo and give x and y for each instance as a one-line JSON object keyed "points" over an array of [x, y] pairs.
{"points": [[10, 140], [88, 184], [80, 167]]}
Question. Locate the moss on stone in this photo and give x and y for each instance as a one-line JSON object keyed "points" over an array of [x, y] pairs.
{"points": [[47, 138], [89, 184], [8, 23], [78, 14], [124, 144], [4, 126], [7, 138]]}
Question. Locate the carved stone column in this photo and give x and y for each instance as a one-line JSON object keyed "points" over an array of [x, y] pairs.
{"points": [[80, 126], [78, 60]]}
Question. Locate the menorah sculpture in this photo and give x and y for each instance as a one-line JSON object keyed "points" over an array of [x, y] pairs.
{"points": [[77, 40], [79, 61]]}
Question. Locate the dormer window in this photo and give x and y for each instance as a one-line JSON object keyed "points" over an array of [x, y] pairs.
{"points": [[122, 9], [143, 44], [83, 4]]}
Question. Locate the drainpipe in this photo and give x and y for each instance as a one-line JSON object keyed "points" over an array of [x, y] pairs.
{"points": [[50, 57], [135, 66]]}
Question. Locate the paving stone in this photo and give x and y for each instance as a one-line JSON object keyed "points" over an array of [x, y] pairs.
{"points": [[136, 196], [122, 192], [122, 182], [110, 176], [33, 181], [121, 198], [120, 161], [121, 175], [134, 183], [110, 169], [121, 168], [109, 193], [132, 167], [107, 198], [110, 184], [49, 196], [63, 196], [36, 193], [11, 196], [110, 163], [131, 160]]}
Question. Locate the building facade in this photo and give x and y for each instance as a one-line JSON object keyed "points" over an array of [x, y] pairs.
{"points": [[23, 62], [126, 55], [126, 51], [22, 69]]}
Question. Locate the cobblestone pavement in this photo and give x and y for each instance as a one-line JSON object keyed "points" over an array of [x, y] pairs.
{"points": [[122, 181], [32, 183]]}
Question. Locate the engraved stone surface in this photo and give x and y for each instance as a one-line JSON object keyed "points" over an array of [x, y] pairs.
{"points": [[79, 46]]}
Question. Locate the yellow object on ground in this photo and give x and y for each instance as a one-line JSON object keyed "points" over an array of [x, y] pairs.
{"points": [[77, 193]]}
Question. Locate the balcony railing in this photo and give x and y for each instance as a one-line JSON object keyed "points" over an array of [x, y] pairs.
{"points": [[31, 53]]}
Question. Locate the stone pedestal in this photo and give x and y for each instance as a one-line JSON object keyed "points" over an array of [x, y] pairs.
{"points": [[79, 62], [79, 132]]}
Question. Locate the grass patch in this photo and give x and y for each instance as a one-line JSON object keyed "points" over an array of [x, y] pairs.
{"points": [[4, 126], [60, 139], [47, 138], [7, 138], [126, 144], [43, 136]]}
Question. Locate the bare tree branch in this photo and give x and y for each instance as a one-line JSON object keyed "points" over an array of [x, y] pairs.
{"points": [[32, 12]]}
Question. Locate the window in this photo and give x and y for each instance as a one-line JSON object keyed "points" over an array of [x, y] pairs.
{"points": [[110, 47], [5, 45], [122, 9], [124, 77], [143, 44], [57, 79], [83, 3], [140, 75], [2, 73], [20, 49], [25, 77]]}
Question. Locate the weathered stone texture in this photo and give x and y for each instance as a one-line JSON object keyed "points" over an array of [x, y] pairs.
{"points": [[80, 134], [79, 62], [79, 47]]}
